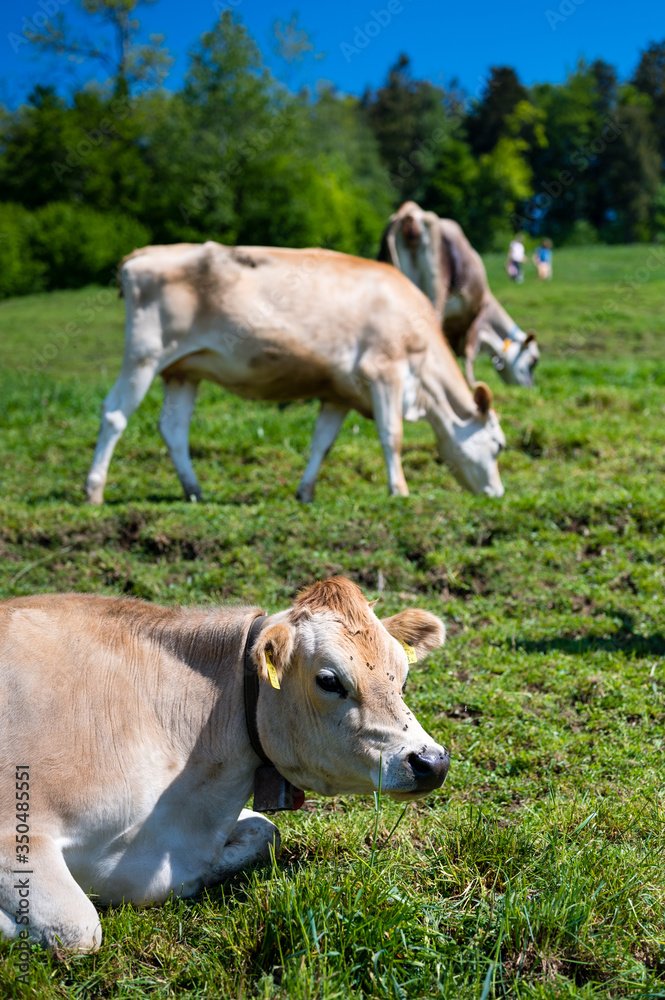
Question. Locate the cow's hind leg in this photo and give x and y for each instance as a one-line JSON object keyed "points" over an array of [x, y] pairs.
{"points": [[252, 840], [132, 385], [328, 423], [43, 898], [387, 397], [179, 399]]}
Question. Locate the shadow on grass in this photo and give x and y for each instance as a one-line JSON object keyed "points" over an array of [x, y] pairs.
{"points": [[623, 640]]}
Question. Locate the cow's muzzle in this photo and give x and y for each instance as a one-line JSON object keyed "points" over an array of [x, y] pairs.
{"points": [[429, 768]]}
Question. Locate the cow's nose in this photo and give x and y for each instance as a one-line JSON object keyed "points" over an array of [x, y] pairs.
{"points": [[429, 768]]}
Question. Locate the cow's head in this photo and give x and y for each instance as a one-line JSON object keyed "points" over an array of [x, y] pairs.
{"points": [[411, 216], [338, 723], [518, 360], [471, 447]]}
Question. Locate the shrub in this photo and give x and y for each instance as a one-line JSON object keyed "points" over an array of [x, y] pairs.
{"points": [[78, 245], [20, 272], [62, 245]]}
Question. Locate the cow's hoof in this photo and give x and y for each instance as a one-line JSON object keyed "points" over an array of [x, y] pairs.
{"points": [[193, 494], [95, 495], [305, 494]]}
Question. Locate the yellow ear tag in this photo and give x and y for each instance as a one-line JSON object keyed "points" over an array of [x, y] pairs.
{"points": [[506, 344], [410, 653], [272, 673]]}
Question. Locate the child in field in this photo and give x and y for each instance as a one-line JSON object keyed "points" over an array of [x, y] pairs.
{"points": [[515, 259], [542, 258]]}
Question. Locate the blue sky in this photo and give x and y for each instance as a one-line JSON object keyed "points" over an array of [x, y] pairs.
{"points": [[542, 39]]}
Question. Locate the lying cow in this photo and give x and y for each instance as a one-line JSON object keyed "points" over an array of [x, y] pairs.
{"points": [[436, 255], [281, 325], [134, 745]]}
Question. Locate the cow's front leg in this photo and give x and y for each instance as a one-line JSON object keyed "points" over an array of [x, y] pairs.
{"points": [[492, 343], [387, 398], [132, 384], [328, 423], [251, 842], [176, 415], [470, 355], [41, 899]]}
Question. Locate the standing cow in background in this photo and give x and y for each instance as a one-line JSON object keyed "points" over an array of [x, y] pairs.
{"points": [[273, 324], [436, 255]]}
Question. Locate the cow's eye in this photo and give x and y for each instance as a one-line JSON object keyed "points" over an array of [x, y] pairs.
{"points": [[329, 681]]}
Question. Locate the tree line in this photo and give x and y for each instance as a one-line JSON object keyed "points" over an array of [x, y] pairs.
{"points": [[238, 156]]}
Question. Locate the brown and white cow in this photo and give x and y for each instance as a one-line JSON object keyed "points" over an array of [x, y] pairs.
{"points": [[282, 325], [125, 743], [437, 257]]}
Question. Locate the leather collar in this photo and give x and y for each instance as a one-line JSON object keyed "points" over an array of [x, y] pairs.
{"points": [[251, 690], [272, 792]]}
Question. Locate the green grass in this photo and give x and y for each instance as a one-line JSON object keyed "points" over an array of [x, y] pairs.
{"points": [[539, 870]]}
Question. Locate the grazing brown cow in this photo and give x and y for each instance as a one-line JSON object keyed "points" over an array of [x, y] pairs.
{"points": [[436, 255], [280, 325], [131, 734]]}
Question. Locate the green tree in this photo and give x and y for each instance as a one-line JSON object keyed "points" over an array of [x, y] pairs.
{"points": [[262, 165], [606, 86], [90, 152], [409, 122], [632, 170], [448, 189], [233, 117], [30, 140], [567, 169], [649, 78], [486, 123]]}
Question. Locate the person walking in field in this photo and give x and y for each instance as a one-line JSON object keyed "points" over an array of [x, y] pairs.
{"points": [[542, 258], [515, 259]]}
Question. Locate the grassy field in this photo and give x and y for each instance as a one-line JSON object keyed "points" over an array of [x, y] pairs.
{"points": [[539, 870]]}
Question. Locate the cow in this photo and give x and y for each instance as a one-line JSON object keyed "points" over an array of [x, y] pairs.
{"points": [[436, 255], [282, 325], [129, 744]]}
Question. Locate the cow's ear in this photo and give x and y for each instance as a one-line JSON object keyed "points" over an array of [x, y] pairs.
{"points": [[273, 648], [419, 629], [482, 397]]}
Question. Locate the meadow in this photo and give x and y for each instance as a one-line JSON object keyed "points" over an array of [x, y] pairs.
{"points": [[539, 870]]}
